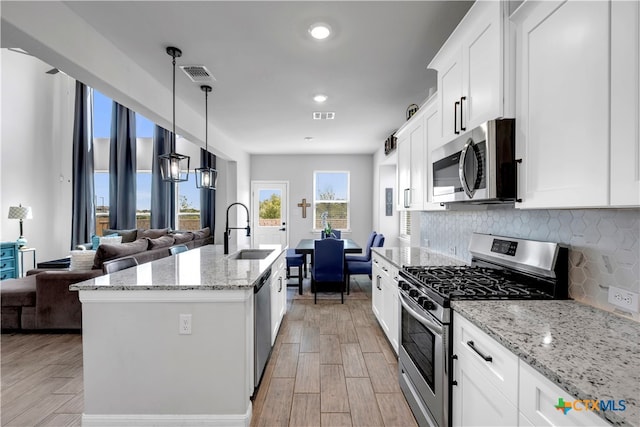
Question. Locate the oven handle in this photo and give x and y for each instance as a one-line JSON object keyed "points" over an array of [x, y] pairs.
{"points": [[428, 323]]}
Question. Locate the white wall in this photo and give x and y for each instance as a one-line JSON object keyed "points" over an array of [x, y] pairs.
{"points": [[37, 119], [298, 171], [384, 176]]}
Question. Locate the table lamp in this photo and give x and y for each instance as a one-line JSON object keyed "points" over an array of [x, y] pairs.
{"points": [[20, 212]]}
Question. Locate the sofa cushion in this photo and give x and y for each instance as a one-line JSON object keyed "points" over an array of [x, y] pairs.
{"points": [[18, 292], [97, 240], [128, 236], [108, 252], [201, 234], [153, 233], [161, 242], [183, 237], [81, 260]]}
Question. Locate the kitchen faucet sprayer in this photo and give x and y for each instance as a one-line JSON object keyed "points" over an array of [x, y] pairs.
{"points": [[227, 229]]}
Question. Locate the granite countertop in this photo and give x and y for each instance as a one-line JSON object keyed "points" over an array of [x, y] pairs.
{"points": [[204, 268], [401, 257], [590, 353]]}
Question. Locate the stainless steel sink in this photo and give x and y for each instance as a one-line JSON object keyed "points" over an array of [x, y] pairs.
{"points": [[251, 254]]}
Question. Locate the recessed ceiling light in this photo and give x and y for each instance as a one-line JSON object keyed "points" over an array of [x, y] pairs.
{"points": [[320, 98], [308, 138], [320, 31]]}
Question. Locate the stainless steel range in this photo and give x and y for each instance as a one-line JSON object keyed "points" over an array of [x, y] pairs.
{"points": [[501, 268]]}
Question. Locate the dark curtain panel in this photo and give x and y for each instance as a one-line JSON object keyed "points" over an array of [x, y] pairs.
{"points": [[122, 168], [83, 223], [163, 200], [207, 197]]}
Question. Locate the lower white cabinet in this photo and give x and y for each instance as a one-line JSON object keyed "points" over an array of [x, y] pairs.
{"points": [[493, 387], [486, 375], [385, 298], [278, 295], [539, 398]]}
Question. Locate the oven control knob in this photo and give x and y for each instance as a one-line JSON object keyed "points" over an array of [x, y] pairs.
{"points": [[413, 293], [426, 303], [405, 286]]}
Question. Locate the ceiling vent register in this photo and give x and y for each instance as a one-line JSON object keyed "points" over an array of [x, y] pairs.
{"points": [[324, 115], [198, 73]]}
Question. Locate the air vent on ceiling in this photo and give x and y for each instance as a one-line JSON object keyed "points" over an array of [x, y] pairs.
{"points": [[198, 73], [324, 115]]}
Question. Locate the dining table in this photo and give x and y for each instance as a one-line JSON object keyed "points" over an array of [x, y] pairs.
{"points": [[305, 247]]}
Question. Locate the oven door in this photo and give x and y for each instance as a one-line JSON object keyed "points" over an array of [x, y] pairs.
{"points": [[424, 377]]}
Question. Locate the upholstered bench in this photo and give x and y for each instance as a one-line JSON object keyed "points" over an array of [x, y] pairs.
{"points": [[295, 260]]}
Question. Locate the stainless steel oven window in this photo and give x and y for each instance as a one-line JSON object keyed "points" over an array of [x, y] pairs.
{"points": [[419, 342]]}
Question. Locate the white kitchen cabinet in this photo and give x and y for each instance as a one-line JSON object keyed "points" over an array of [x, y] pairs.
{"points": [[504, 390], [562, 114], [411, 163], [278, 295], [474, 70], [385, 298], [486, 376], [433, 141], [376, 288], [538, 398], [625, 103]]}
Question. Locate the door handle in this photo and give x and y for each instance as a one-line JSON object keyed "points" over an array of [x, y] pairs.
{"points": [[463, 98], [518, 162], [455, 118], [484, 356], [283, 229], [280, 280]]}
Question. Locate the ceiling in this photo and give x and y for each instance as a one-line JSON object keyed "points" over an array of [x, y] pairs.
{"points": [[267, 67]]}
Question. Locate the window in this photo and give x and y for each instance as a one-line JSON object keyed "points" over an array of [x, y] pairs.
{"points": [[188, 206], [331, 200], [405, 224]]}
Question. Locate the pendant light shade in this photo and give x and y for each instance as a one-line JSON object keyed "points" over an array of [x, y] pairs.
{"points": [[206, 177], [174, 167]]}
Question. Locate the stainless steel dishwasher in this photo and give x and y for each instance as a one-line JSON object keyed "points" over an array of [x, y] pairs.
{"points": [[261, 325]]}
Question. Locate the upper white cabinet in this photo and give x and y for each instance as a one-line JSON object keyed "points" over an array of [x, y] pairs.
{"points": [[578, 108], [412, 160], [415, 141], [562, 114], [625, 103], [474, 70]]}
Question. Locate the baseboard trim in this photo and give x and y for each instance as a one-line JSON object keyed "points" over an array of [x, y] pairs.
{"points": [[131, 420]]}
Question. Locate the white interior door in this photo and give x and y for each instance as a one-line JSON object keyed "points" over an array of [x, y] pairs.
{"points": [[269, 202]]}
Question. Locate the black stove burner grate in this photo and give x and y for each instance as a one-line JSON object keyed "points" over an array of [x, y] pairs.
{"points": [[472, 282]]}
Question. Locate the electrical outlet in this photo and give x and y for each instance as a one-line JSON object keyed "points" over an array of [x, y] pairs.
{"points": [[624, 299], [452, 250], [184, 328]]}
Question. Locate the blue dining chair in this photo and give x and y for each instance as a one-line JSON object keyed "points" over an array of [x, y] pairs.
{"points": [[367, 252], [328, 265], [337, 234], [295, 260], [362, 267]]}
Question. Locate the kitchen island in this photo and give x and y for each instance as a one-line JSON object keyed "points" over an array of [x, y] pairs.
{"points": [[138, 366]]}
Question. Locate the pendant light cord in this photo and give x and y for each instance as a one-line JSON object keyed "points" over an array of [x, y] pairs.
{"points": [[206, 128], [173, 136]]}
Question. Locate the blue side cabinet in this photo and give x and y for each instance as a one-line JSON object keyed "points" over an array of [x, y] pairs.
{"points": [[8, 260]]}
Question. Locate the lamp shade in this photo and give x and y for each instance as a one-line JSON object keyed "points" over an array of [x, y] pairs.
{"points": [[206, 178], [20, 212]]}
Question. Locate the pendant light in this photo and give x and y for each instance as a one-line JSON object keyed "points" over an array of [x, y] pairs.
{"points": [[173, 164], [206, 177]]}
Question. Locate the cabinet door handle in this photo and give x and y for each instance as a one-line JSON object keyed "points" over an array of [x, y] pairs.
{"points": [[518, 162], [407, 197], [280, 279], [455, 118], [463, 98], [453, 358], [378, 277], [473, 347]]}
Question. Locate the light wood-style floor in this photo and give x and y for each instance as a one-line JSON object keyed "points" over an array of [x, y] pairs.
{"points": [[331, 366]]}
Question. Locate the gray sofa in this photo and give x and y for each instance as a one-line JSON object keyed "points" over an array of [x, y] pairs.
{"points": [[42, 299]]}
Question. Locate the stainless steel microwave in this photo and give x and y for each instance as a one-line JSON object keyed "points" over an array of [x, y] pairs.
{"points": [[478, 166]]}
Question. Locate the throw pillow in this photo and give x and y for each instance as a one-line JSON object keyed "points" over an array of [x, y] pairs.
{"points": [[95, 240], [201, 234], [183, 237], [153, 233], [82, 260], [161, 242], [128, 236], [107, 252], [111, 240]]}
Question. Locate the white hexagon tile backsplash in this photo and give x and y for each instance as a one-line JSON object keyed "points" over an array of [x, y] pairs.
{"points": [[603, 243]]}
